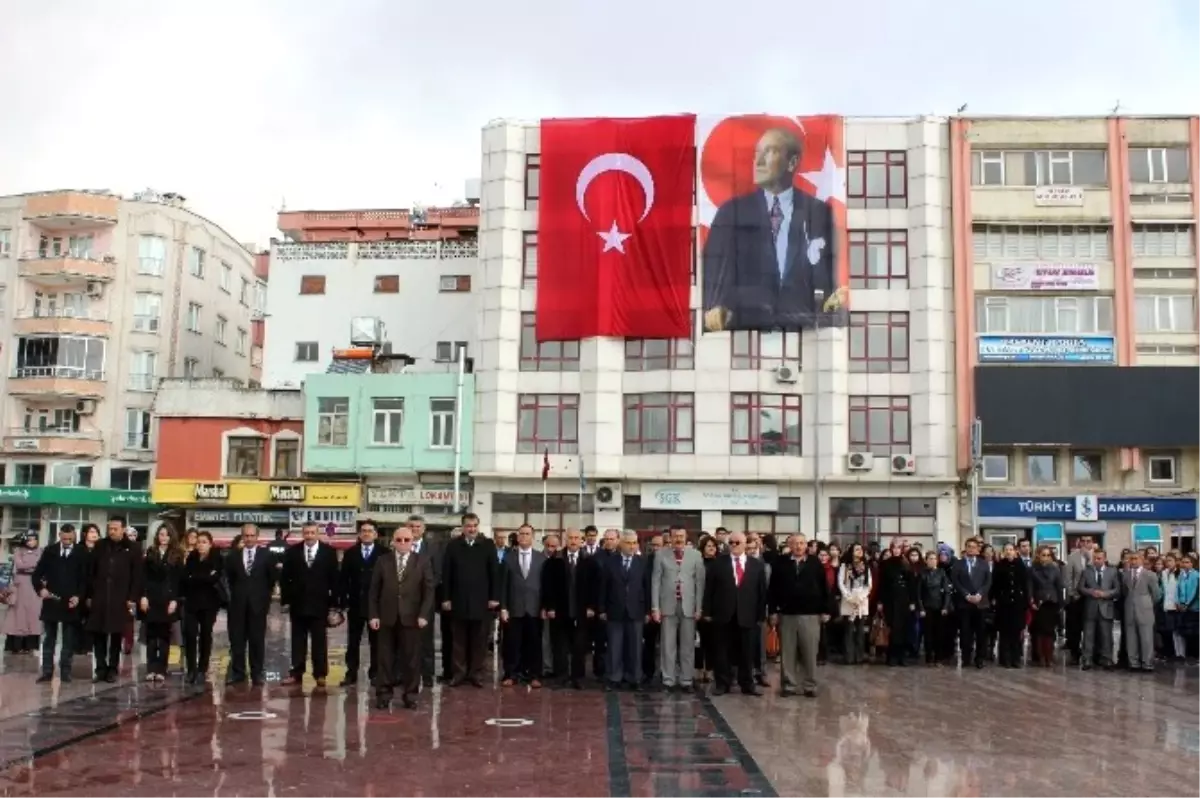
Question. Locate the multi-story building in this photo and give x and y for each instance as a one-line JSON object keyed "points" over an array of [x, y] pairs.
{"points": [[414, 270], [100, 298], [1075, 255], [710, 430]]}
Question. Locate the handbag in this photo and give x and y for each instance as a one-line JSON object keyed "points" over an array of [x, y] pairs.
{"points": [[222, 587], [772, 642], [880, 634]]}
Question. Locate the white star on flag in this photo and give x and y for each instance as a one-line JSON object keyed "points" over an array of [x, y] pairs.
{"points": [[830, 181], [614, 239]]}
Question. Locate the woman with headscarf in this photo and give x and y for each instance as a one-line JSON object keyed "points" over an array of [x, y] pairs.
{"points": [[22, 622], [897, 602]]}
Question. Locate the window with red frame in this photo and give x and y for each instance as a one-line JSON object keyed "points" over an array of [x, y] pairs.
{"points": [[533, 181], [862, 521], [753, 350], [765, 424], [661, 354], [529, 259], [659, 423], [548, 422], [876, 179], [547, 355], [880, 425], [879, 343], [878, 258]]}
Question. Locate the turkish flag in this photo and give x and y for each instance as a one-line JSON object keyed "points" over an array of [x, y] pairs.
{"points": [[615, 228]]}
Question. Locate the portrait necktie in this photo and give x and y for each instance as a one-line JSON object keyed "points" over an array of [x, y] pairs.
{"points": [[249, 560], [627, 561], [572, 559], [738, 572], [308, 552], [776, 219], [403, 565], [524, 565]]}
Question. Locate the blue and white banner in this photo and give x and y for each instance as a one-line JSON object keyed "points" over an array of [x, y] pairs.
{"points": [[1047, 349]]}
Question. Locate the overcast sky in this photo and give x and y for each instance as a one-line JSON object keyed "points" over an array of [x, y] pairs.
{"points": [[240, 105]]}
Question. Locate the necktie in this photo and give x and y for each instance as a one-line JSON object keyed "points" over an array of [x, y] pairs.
{"points": [[366, 552], [249, 560], [776, 219], [524, 564], [970, 565], [470, 541], [627, 560], [679, 574], [572, 559], [310, 552], [417, 547], [401, 567], [66, 551], [738, 572]]}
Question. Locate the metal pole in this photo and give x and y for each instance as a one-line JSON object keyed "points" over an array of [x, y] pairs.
{"points": [[459, 506], [818, 302], [579, 513], [976, 465]]}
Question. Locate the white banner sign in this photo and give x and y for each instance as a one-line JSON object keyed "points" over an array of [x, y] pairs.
{"points": [[332, 521], [1069, 196], [1046, 277], [714, 496], [432, 496]]}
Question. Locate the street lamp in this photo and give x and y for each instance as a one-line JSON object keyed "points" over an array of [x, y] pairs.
{"points": [[818, 306]]}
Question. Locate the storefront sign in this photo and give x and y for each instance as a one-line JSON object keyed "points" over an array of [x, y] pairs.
{"points": [[409, 495], [74, 497], [331, 520], [211, 492], [1045, 277], [256, 493], [1048, 196], [278, 518], [1088, 508], [704, 496], [287, 494], [1047, 349]]}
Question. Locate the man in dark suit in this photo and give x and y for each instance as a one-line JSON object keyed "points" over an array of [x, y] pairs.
{"points": [[624, 605], [309, 591], [353, 581], [435, 552], [972, 581], [769, 250], [251, 574], [1100, 587], [61, 580], [567, 610], [735, 603], [400, 606], [521, 611], [471, 591], [593, 572]]}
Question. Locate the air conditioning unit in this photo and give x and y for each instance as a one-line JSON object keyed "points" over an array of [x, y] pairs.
{"points": [[904, 464], [608, 496], [95, 289], [785, 374], [860, 461], [85, 407]]}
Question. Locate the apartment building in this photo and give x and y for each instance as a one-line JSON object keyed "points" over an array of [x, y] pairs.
{"points": [[101, 297], [1075, 255], [843, 433], [412, 269]]}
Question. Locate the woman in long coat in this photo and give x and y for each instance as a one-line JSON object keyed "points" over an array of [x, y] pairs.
{"points": [[162, 570], [898, 601], [22, 622], [1010, 600], [89, 537], [114, 588]]}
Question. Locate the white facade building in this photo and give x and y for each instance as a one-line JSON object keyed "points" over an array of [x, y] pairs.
{"points": [[883, 387]]}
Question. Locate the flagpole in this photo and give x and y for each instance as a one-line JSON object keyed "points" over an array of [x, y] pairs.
{"points": [[545, 477], [582, 478]]}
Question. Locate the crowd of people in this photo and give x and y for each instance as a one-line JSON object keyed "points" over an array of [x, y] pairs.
{"points": [[673, 612]]}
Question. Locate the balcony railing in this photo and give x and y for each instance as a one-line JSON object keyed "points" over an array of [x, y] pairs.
{"points": [[403, 249], [86, 314], [143, 382], [53, 432], [57, 373]]}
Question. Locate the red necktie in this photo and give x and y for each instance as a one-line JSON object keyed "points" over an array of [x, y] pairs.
{"points": [[738, 571]]}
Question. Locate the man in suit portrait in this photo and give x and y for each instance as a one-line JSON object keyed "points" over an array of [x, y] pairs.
{"points": [[400, 606], [972, 581], [1099, 586], [567, 610], [676, 590], [735, 602], [61, 580], [624, 607], [251, 575], [434, 551], [308, 589], [521, 611], [353, 581], [769, 250], [1142, 592]]}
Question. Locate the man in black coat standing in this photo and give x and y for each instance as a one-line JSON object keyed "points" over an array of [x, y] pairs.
{"points": [[435, 552], [470, 591], [250, 573], [114, 586], [735, 602], [567, 610], [60, 579], [309, 591], [353, 582]]}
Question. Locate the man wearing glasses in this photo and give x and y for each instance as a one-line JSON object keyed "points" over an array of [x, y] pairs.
{"points": [[735, 602], [400, 606]]}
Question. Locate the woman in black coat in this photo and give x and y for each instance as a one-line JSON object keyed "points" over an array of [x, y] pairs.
{"points": [[162, 569], [114, 587], [1010, 601], [89, 537], [1046, 596], [202, 574], [898, 602], [933, 605]]}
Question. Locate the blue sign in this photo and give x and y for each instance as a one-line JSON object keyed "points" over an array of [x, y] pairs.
{"points": [[1147, 535], [1111, 508], [1047, 349]]}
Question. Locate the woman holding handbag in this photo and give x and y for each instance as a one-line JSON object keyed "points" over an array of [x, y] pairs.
{"points": [[205, 592]]}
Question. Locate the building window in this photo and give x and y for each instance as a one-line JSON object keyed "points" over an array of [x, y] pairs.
{"points": [[44, 420], [987, 168], [147, 310], [143, 371], [30, 474], [879, 342], [191, 368], [287, 458], [196, 262], [1040, 242], [239, 344], [661, 354], [447, 351], [5, 242], [994, 468], [880, 425], [878, 258], [764, 424], [137, 429], [306, 351], [245, 456], [786, 521], [1163, 240], [388, 417], [1165, 312], [1161, 469], [865, 520], [129, 478], [226, 277], [659, 423], [1039, 168], [333, 420], [1087, 468], [244, 293], [387, 284], [1043, 315], [648, 522], [193, 317], [547, 355], [1159, 165], [219, 333], [152, 255], [533, 181], [1040, 468], [752, 350], [529, 258], [312, 284], [70, 475], [548, 422], [876, 179], [562, 510], [64, 357], [441, 423], [454, 283]]}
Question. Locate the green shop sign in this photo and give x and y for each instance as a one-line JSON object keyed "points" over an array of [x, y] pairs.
{"points": [[73, 497]]}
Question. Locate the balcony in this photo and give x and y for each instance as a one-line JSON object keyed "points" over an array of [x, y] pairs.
{"points": [[50, 441], [61, 321], [69, 381], [66, 268], [67, 210]]}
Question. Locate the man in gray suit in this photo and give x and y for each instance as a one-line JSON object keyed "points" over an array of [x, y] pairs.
{"points": [[521, 611], [1099, 585], [1142, 592], [676, 591], [1076, 563]]}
